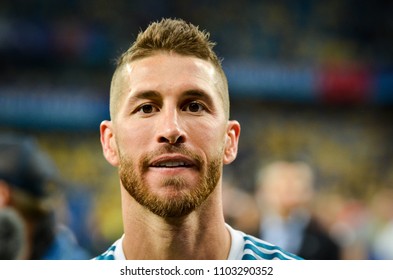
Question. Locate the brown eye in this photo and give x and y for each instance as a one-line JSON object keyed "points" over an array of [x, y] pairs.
{"points": [[146, 109], [194, 107]]}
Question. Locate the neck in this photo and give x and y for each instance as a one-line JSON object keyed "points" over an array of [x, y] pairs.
{"points": [[200, 235]]}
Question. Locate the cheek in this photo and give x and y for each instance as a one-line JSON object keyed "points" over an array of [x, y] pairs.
{"points": [[133, 139], [210, 137]]}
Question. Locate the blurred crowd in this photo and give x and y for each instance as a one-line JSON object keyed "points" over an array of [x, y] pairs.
{"points": [[334, 162], [30, 224], [55, 40], [286, 209]]}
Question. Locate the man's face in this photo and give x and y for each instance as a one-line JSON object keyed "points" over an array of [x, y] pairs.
{"points": [[170, 135]]}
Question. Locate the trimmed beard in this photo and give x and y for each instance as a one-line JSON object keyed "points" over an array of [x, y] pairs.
{"points": [[182, 199]]}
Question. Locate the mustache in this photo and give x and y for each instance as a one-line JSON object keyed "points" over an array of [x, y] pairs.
{"points": [[171, 149]]}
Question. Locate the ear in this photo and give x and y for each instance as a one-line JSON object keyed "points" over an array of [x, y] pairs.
{"points": [[108, 143], [5, 194], [232, 141]]}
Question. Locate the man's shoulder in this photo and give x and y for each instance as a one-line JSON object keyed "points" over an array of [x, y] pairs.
{"points": [[258, 249], [109, 254], [249, 248]]}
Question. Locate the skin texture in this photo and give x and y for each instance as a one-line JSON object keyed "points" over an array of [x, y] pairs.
{"points": [[171, 113]]}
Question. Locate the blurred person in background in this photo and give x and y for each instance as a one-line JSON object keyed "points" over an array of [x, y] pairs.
{"points": [[28, 179], [347, 219], [284, 192], [169, 136]]}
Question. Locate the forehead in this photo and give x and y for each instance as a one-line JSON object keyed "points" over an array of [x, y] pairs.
{"points": [[166, 72]]}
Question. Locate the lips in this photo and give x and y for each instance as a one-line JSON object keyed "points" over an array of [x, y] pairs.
{"points": [[173, 161], [172, 164]]}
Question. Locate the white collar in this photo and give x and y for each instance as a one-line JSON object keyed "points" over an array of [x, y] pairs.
{"points": [[237, 244], [235, 252], [119, 252]]}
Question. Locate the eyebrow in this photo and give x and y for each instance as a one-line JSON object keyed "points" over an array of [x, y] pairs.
{"points": [[149, 94], [198, 94], [156, 96]]}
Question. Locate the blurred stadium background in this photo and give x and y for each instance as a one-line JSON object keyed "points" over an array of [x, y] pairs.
{"points": [[309, 80]]}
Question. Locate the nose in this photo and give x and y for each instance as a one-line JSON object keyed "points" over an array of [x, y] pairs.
{"points": [[170, 130]]}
